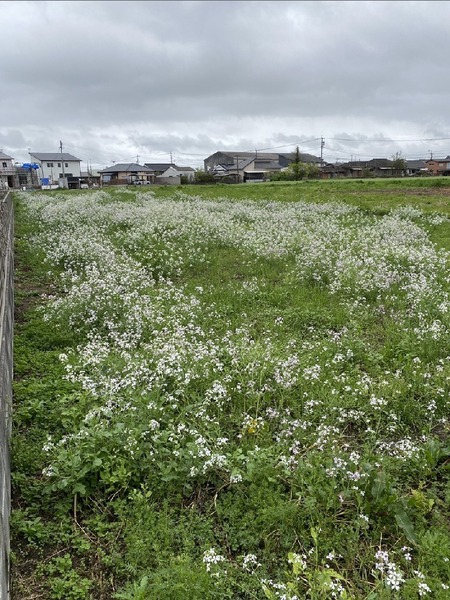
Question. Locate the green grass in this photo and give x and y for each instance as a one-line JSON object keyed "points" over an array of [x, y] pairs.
{"points": [[260, 417], [379, 194]]}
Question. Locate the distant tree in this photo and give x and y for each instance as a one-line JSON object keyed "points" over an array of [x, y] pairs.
{"points": [[398, 165], [281, 176], [296, 167], [203, 177], [312, 171], [298, 170]]}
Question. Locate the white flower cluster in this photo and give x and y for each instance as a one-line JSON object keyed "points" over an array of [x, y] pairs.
{"points": [[212, 559], [391, 573]]}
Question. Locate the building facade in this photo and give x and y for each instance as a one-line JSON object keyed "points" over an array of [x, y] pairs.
{"points": [[127, 174], [7, 172], [54, 166]]}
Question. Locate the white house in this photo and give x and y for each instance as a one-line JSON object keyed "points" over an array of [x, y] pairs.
{"points": [[55, 165], [177, 172]]}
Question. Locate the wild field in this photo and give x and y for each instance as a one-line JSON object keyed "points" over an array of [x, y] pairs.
{"points": [[233, 393]]}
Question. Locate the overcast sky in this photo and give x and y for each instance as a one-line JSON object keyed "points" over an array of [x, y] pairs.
{"points": [[119, 80]]}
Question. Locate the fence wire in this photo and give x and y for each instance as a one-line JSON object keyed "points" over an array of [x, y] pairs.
{"points": [[6, 376]]}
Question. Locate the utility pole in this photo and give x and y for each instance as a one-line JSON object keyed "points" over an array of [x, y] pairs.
{"points": [[171, 160], [322, 144], [62, 164]]}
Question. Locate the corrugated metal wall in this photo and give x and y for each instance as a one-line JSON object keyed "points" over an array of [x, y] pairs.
{"points": [[6, 375]]}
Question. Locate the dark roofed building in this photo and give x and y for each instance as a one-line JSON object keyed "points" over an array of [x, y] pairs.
{"points": [[376, 167], [415, 167], [159, 168], [287, 158], [126, 174], [273, 161]]}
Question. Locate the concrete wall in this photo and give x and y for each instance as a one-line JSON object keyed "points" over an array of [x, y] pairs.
{"points": [[6, 376], [170, 180]]}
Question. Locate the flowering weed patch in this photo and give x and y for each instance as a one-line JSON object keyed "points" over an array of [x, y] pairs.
{"points": [[258, 398]]}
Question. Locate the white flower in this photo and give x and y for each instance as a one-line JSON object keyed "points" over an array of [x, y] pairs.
{"points": [[423, 589], [211, 558]]}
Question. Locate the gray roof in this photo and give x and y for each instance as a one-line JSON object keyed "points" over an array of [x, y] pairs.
{"points": [[235, 153], [381, 163], [304, 156], [127, 168], [181, 168], [54, 156], [89, 174], [159, 166], [416, 164], [241, 164], [5, 156]]}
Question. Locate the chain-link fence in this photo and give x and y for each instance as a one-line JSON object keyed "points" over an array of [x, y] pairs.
{"points": [[6, 375]]}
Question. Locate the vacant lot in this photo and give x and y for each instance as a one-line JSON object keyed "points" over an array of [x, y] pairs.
{"points": [[233, 392]]}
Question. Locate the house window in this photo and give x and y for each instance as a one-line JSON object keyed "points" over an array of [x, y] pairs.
{"points": [[49, 164], [66, 164], [4, 165], [59, 165]]}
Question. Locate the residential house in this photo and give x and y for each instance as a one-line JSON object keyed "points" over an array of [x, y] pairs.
{"points": [[54, 166], [159, 168], [265, 162], [354, 169], [330, 171], [231, 172], [439, 166], [226, 160], [252, 166], [416, 167], [174, 175], [245, 170], [15, 175], [380, 167], [376, 167], [7, 171], [127, 174]]}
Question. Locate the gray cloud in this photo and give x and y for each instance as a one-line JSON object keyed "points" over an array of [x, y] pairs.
{"points": [[190, 77]]}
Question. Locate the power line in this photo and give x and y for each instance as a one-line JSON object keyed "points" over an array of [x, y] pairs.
{"points": [[301, 142], [370, 140]]}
